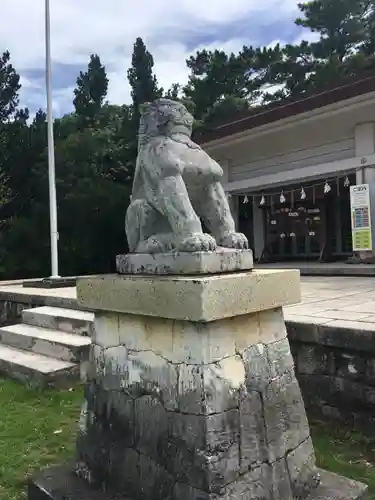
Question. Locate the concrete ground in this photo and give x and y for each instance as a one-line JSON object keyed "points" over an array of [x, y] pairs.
{"points": [[340, 302], [18, 289], [323, 269]]}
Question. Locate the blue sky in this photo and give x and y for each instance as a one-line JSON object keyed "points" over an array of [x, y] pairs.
{"points": [[171, 29]]}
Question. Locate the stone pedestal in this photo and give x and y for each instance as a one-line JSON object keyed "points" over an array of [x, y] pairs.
{"points": [[223, 260], [192, 394]]}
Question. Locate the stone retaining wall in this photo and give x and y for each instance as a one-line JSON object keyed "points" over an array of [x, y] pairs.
{"points": [[336, 370]]}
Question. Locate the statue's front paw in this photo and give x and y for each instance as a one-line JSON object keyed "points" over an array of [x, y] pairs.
{"points": [[233, 240], [197, 242]]}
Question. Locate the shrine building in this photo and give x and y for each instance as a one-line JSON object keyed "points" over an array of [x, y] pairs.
{"points": [[288, 169]]}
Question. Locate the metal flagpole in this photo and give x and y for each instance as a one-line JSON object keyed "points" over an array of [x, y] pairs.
{"points": [[51, 150]]}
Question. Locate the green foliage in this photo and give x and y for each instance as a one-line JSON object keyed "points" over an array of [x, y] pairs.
{"points": [[143, 83], [144, 88], [216, 76], [9, 87], [91, 90]]}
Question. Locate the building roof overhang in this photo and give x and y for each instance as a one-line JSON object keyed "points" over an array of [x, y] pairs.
{"points": [[347, 92]]}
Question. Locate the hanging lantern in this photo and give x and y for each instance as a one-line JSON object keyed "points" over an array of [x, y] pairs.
{"points": [[346, 182], [282, 197], [262, 200], [245, 200], [303, 194], [327, 188]]}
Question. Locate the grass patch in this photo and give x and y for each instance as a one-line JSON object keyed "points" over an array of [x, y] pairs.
{"points": [[38, 429], [344, 451]]}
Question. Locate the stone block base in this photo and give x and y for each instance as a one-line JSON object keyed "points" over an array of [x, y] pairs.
{"points": [[223, 260], [60, 483], [185, 411], [194, 397]]}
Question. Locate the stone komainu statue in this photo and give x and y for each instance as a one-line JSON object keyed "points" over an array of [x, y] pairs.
{"points": [[176, 185]]}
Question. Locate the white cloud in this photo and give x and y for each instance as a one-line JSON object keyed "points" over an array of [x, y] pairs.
{"points": [[109, 28]]}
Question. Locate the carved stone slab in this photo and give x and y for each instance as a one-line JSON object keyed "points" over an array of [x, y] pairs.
{"points": [[223, 260]]}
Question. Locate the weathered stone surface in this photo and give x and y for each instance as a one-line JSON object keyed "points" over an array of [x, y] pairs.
{"points": [[151, 426], [154, 481], [210, 388], [222, 468], [303, 472], [124, 469], [185, 341], [279, 481], [223, 260], [197, 411], [335, 487], [201, 469], [312, 359], [266, 362], [106, 330], [280, 358], [59, 482], [253, 485], [173, 175], [106, 432], [253, 449], [151, 374], [285, 416], [110, 368], [134, 372], [192, 298], [191, 429], [190, 389], [257, 367], [349, 365], [183, 491], [272, 324]]}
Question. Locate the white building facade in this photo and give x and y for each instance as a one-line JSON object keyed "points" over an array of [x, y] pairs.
{"points": [[276, 173]]}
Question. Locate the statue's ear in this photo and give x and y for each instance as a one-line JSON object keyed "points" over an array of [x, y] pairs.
{"points": [[143, 108]]}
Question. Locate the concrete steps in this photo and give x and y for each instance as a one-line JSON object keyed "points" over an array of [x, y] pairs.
{"points": [[36, 370], [56, 318], [52, 343], [49, 348]]}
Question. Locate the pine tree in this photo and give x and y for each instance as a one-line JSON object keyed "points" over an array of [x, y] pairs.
{"points": [[9, 87], [91, 90], [144, 88], [340, 24], [143, 82]]}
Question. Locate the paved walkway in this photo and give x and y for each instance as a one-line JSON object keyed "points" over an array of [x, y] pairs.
{"points": [[324, 268], [337, 302]]}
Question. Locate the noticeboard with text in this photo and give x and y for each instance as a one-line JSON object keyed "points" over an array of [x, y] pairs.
{"points": [[361, 217]]}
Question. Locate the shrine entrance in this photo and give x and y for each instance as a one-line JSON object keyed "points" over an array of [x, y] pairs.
{"points": [[306, 223]]}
